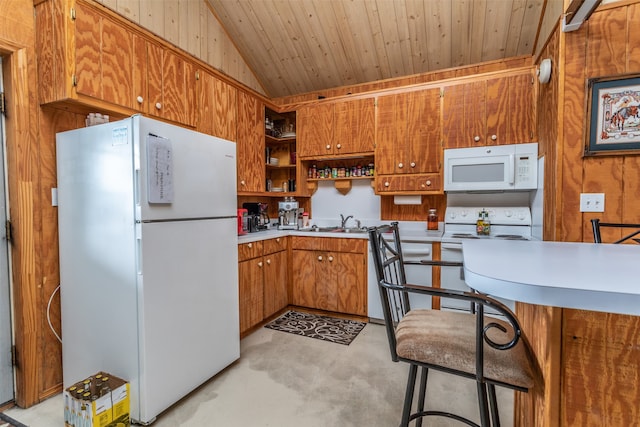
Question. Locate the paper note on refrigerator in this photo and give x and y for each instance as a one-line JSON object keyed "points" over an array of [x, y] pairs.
{"points": [[159, 170]]}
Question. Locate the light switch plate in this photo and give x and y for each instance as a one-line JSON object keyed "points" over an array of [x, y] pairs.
{"points": [[592, 202]]}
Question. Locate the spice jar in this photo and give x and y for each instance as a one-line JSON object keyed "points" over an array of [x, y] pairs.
{"points": [[432, 220]]}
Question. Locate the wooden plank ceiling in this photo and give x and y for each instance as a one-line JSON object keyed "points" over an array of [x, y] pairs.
{"points": [[299, 46]]}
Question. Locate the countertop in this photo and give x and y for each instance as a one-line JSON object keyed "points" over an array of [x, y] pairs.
{"points": [[588, 276], [409, 230]]}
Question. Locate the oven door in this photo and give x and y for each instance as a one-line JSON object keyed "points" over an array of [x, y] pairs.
{"points": [[418, 274], [453, 278]]}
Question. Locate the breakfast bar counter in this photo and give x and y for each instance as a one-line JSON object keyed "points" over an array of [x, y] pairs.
{"points": [[587, 276], [579, 307]]}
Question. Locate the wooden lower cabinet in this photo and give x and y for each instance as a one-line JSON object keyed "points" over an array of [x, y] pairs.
{"points": [[328, 279], [263, 280]]}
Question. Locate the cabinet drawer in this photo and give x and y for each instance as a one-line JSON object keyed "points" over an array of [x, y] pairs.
{"points": [[249, 250], [330, 244], [274, 245], [419, 183]]}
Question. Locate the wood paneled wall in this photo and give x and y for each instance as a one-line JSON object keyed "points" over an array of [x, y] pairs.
{"points": [[589, 360], [608, 44]]}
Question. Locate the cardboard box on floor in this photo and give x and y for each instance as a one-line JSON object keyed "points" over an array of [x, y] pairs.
{"points": [[102, 400]]}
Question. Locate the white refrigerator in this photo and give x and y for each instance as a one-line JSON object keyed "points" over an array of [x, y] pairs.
{"points": [[148, 258]]}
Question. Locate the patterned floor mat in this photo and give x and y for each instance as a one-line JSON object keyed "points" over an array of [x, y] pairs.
{"points": [[340, 331]]}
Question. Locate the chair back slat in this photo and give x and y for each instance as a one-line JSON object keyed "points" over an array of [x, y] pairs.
{"points": [[629, 237]]}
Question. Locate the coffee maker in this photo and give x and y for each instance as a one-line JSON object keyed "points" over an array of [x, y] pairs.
{"points": [[288, 214]]}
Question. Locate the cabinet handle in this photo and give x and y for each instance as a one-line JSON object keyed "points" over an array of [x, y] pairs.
{"points": [[386, 184], [328, 147], [278, 239], [158, 106], [268, 262], [330, 259], [140, 99], [320, 258], [476, 138], [339, 146], [400, 165], [413, 164], [428, 183], [249, 245], [494, 137], [242, 182], [260, 264]]}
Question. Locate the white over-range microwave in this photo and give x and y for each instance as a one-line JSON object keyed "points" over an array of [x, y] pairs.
{"points": [[491, 168]]}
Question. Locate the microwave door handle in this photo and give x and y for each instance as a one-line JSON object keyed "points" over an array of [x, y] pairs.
{"points": [[512, 169]]}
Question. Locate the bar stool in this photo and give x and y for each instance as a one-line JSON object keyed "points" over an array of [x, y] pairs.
{"points": [[491, 351]]}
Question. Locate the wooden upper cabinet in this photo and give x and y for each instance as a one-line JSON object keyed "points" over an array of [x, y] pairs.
{"points": [[217, 107], [335, 130], [87, 54], [408, 140], [250, 144], [495, 111], [172, 83], [315, 128], [354, 127]]}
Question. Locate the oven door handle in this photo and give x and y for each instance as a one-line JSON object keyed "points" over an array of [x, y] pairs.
{"points": [[452, 246], [416, 252], [440, 263]]}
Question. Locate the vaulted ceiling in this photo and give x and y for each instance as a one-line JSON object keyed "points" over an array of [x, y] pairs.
{"points": [[299, 46]]}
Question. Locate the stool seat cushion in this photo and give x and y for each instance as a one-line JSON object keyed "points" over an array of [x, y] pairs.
{"points": [[448, 339]]}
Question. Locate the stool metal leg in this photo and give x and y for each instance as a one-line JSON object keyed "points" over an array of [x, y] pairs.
{"points": [[483, 404], [408, 396], [493, 405], [423, 391]]}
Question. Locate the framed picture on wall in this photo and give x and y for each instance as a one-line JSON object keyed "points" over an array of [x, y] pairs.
{"points": [[613, 115]]}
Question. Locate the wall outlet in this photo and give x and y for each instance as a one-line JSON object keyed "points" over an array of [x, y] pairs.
{"points": [[592, 202]]}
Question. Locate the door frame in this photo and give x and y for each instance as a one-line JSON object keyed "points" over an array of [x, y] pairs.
{"points": [[22, 137]]}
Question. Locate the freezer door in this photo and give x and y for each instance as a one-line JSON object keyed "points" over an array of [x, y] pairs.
{"points": [[188, 308], [200, 169]]}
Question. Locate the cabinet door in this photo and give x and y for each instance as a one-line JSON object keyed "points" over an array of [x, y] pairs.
{"points": [[520, 117], [315, 130], [217, 107], [250, 275], [275, 282], [117, 64], [354, 127], [423, 135], [390, 133], [88, 25], [475, 113], [140, 89], [463, 115], [171, 85], [349, 274], [326, 290], [497, 111], [250, 144], [304, 278]]}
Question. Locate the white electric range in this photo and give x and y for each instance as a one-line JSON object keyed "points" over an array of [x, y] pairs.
{"points": [[513, 223]]}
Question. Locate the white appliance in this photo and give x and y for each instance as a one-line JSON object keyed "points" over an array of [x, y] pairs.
{"points": [[147, 227], [512, 222], [500, 167]]}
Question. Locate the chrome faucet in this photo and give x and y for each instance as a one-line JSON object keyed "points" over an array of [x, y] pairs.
{"points": [[344, 220]]}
